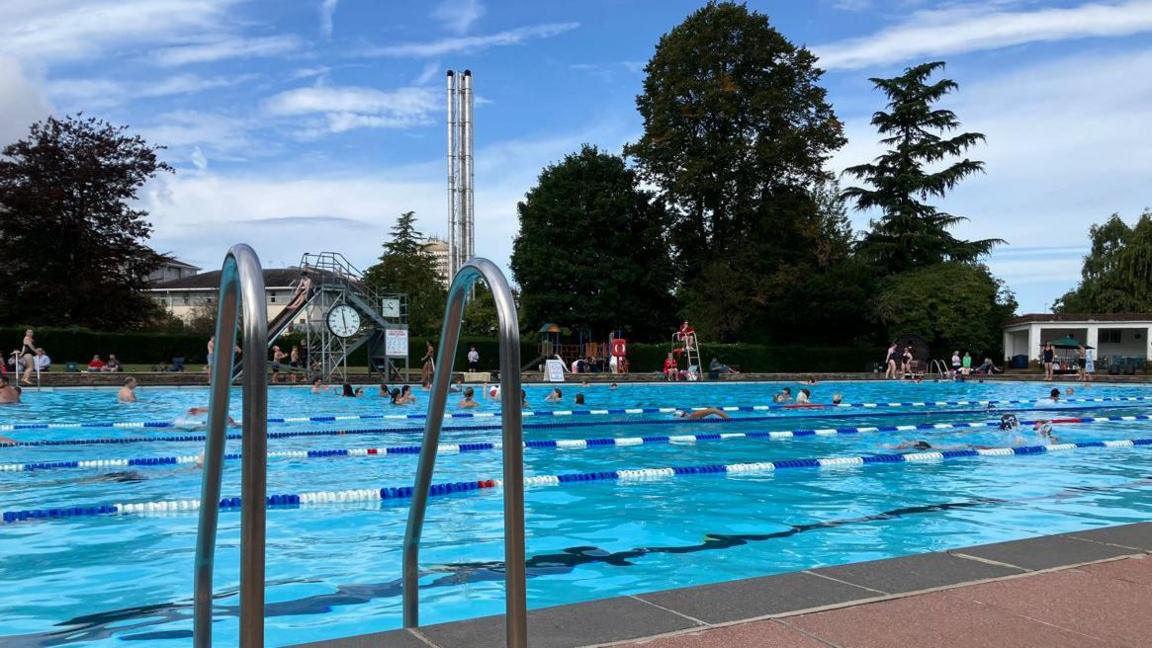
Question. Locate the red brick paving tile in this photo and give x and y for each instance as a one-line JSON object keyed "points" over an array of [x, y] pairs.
{"points": [[936, 620], [1133, 570], [757, 634], [1082, 601]]}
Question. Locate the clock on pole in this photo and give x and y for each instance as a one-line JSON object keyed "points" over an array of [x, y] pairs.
{"points": [[343, 321]]}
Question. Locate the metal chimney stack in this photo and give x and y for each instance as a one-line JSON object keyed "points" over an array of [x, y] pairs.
{"points": [[461, 222]]}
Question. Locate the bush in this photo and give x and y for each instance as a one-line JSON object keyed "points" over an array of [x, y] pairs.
{"points": [[79, 344], [761, 358]]}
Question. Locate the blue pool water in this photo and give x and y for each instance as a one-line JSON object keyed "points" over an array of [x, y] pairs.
{"points": [[333, 570]]}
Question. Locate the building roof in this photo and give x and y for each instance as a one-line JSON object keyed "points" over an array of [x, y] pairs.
{"points": [[1070, 318], [273, 278], [172, 262]]}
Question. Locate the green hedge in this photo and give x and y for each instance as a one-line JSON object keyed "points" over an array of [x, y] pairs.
{"points": [[762, 358], [78, 345]]}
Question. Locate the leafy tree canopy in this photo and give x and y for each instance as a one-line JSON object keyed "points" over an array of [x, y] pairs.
{"points": [[406, 267], [951, 305], [591, 252], [911, 233], [1117, 273], [71, 239]]}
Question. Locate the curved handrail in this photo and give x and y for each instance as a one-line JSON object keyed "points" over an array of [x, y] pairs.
{"points": [[241, 288], [516, 624]]}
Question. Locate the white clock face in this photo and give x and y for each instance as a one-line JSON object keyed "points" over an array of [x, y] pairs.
{"points": [[343, 320], [390, 307]]}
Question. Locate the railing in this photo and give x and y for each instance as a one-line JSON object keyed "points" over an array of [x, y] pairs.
{"points": [[241, 287], [516, 624]]}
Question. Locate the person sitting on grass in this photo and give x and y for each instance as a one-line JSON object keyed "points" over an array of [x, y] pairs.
{"points": [[128, 391], [468, 401], [96, 364], [113, 365], [701, 413]]}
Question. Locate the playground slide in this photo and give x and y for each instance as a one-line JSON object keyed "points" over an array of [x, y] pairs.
{"points": [[279, 324]]}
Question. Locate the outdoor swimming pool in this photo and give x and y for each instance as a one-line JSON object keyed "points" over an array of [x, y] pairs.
{"points": [[334, 567]]}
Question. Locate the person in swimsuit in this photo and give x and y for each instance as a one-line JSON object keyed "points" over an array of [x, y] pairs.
{"points": [[701, 413], [468, 400], [8, 393], [803, 397], [28, 357], [554, 396], [784, 396], [1087, 374], [348, 392], [1049, 356], [197, 418], [128, 391], [890, 362]]}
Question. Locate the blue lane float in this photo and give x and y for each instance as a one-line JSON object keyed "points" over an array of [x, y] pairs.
{"points": [[371, 495], [553, 444], [199, 438], [622, 411]]}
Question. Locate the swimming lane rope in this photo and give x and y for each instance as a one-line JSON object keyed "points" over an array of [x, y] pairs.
{"points": [[552, 444], [371, 495], [622, 411]]}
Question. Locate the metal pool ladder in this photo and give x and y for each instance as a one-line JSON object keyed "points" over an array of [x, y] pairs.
{"points": [[516, 615], [241, 289]]}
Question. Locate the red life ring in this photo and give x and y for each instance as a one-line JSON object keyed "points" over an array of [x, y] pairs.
{"points": [[619, 347]]}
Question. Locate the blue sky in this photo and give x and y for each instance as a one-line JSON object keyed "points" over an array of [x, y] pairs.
{"points": [[309, 125]]}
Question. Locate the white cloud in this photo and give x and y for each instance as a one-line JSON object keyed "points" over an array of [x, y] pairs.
{"points": [[199, 160], [70, 30], [22, 101], [96, 92], [1068, 145], [458, 16], [431, 71], [470, 43], [348, 107], [225, 48], [212, 131], [976, 27], [327, 9]]}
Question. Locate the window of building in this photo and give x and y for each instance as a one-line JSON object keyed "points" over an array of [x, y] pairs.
{"points": [[1110, 336]]}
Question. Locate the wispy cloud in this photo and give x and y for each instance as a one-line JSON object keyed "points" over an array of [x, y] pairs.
{"points": [[225, 48], [191, 128], [976, 27], [22, 101], [327, 10], [458, 16], [68, 30], [430, 71], [349, 107], [455, 45], [98, 92]]}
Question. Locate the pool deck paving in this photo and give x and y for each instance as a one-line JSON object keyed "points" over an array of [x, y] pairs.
{"points": [[1087, 589]]}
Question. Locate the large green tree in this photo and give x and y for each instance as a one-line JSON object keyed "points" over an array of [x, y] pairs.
{"points": [[736, 133], [910, 233], [406, 267], [1117, 273], [591, 252], [951, 305], [72, 249]]}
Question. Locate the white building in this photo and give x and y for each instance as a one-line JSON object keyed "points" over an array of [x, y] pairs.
{"points": [[172, 269], [184, 296], [1117, 334], [439, 251]]}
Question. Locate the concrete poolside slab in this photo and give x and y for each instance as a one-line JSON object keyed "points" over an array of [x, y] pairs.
{"points": [[757, 597], [1046, 552], [1133, 570], [761, 634], [918, 572], [1137, 536], [936, 620], [566, 626], [393, 639], [1118, 610]]}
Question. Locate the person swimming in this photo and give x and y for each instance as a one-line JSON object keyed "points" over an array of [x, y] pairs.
{"points": [[700, 413], [197, 418]]}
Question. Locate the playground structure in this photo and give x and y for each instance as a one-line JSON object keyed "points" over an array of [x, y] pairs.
{"points": [[327, 280], [598, 355]]}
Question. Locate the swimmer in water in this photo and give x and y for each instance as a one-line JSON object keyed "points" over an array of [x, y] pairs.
{"points": [[555, 396], [701, 413], [318, 386], [837, 399], [468, 400], [127, 393], [197, 418]]}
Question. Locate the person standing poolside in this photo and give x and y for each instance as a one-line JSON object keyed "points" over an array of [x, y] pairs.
{"points": [[211, 352], [473, 359], [27, 357], [890, 362], [128, 391], [955, 363], [906, 360], [1048, 356], [1087, 374], [671, 371], [428, 363]]}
